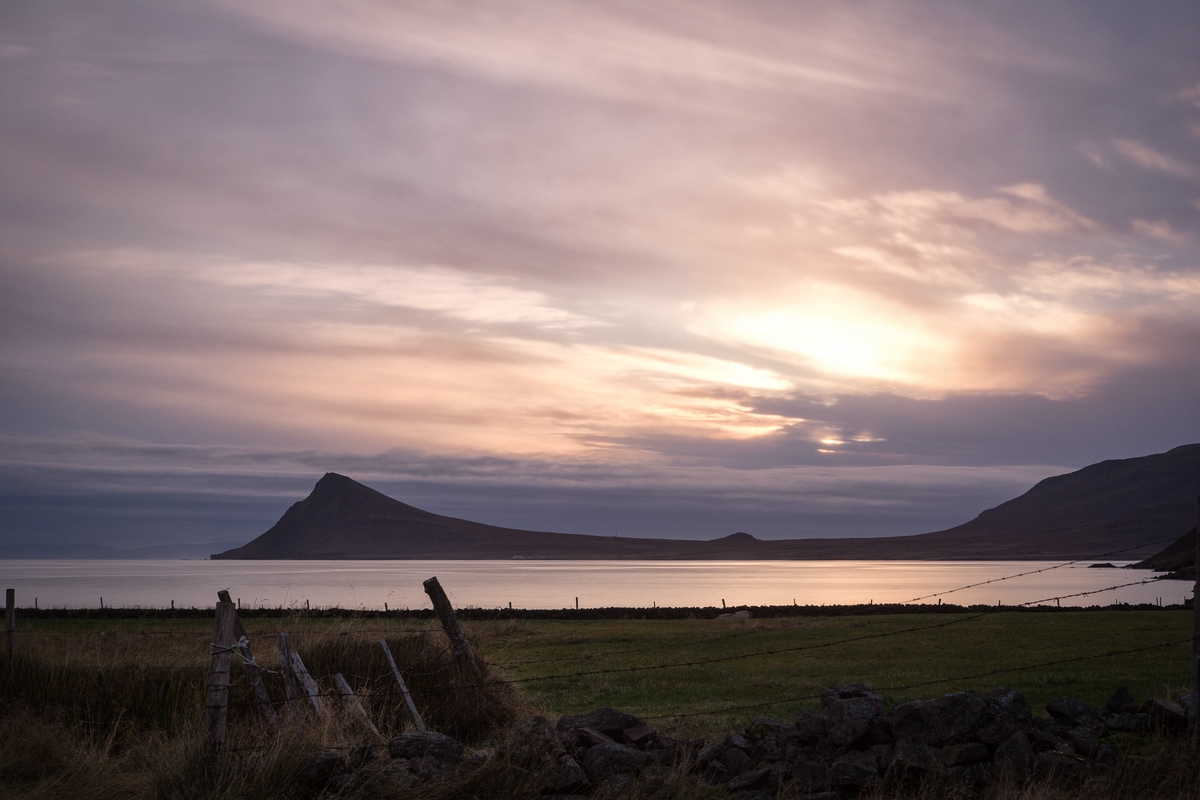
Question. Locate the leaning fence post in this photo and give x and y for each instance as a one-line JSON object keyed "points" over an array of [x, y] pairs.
{"points": [[352, 700], [10, 621], [217, 696], [458, 640], [412, 707], [307, 683], [1194, 703], [289, 676], [252, 668]]}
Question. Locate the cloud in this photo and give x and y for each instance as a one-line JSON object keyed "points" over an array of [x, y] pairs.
{"points": [[1147, 157], [1159, 229]]}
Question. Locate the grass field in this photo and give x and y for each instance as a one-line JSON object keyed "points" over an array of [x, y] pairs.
{"points": [[120, 702]]}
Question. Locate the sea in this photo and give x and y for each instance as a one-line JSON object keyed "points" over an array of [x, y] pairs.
{"points": [[548, 584]]}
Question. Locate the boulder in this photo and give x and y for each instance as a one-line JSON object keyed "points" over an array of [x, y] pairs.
{"points": [[639, 734], [859, 768], [1128, 723], [961, 755], [1084, 740], [1000, 728], [911, 758], [439, 747], [751, 779], [716, 773], [1014, 759], [1067, 708], [736, 761], [320, 767], [709, 753], [1121, 702], [608, 721], [940, 721], [1009, 701], [563, 775], [740, 742], [810, 773], [1166, 716], [848, 719], [810, 726], [604, 761], [766, 728]]}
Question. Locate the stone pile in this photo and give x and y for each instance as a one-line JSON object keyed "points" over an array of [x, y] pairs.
{"points": [[852, 742]]}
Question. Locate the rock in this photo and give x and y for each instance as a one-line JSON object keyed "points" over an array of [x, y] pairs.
{"points": [[735, 761], [1043, 740], [849, 719], [939, 721], [809, 773], [1129, 723], [1121, 702], [810, 726], [848, 691], [604, 761], [751, 779], [740, 742], [912, 758], [767, 728], [1167, 717], [1106, 756], [1084, 739], [1067, 708], [532, 742], [976, 775], [564, 774], [439, 747], [709, 752], [1000, 728], [318, 768], [1011, 702], [1055, 764], [1014, 759], [880, 732], [590, 736], [608, 721], [858, 768], [961, 755], [639, 734]]}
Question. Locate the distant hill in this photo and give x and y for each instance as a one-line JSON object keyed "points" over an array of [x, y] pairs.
{"points": [[1178, 558], [1133, 503]]}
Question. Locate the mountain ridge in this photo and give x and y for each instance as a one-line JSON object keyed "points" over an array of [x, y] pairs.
{"points": [[1134, 505]]}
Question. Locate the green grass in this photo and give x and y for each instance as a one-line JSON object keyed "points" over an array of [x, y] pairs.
{"points": [[969, 646]]}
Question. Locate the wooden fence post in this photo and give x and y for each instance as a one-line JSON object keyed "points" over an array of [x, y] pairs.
{"points": [[307, 683], [10, 622], [252, 668], [412, 707], [352, 700], [1194, 704], [217, 696], [289, 676], [458, 640]]}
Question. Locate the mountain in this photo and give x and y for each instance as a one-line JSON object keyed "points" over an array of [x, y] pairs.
{"points": [[1134, 504], [1178, 558]]}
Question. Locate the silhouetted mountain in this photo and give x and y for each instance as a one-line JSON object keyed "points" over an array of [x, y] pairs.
{"points": [[1131, 504], [1178, 558]]}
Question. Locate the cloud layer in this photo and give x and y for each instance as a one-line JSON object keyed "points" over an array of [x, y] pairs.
{"points": [[698, 250]]}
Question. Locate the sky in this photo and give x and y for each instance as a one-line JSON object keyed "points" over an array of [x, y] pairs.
{"points": [[675, 269]]}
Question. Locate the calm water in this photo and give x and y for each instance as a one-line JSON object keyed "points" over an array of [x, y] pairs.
{"points": [[556, 584]]}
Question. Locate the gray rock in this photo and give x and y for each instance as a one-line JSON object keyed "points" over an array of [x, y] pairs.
{"points": [[751, 779], [849, 719], [604, 761], [533, 741], [1084, 740], [976, 775], [810, 773], [810, 726], [939, 721], [608, 721], [709, 752], [1014, 759], [1166, 716], [735, 761], [563, 774], [1009, 701], [848, 691], [913, 758], [1129, 723], [1121, 702], [1000, 728], [439, 747], [857, 768], [1067, 708], [320, 767], [1106, 756], [961, 755], [740, 742], [767, 728]]}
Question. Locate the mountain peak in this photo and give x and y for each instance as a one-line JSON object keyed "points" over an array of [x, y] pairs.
{"points": [[741, 537]]}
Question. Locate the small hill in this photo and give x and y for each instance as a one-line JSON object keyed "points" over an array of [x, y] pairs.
{"points": [[1132, 505]]}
